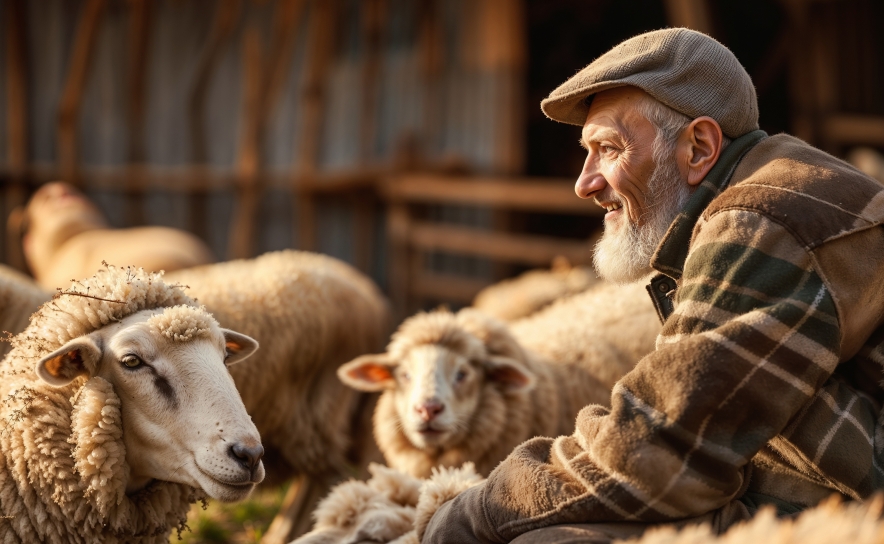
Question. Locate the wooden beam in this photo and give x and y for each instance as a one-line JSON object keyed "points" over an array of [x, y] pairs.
{"points": [[139, 42], [446, 287], [516, 248], [846, 129], [18, 154], [690, 14], [537, 194], [72, 95], [224, 22], [320, 56], [243, 226]]}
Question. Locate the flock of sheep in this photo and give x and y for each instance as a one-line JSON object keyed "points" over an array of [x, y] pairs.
{"points": [[167, 358]]}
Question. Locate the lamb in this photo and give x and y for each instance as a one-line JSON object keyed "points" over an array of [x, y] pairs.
{"points": [[65, 236], [459, 387], [311, 313], [620, 316], [395, 508], [830, 521], [390, 507], [19, 298], [533, 290], [118, 414]]}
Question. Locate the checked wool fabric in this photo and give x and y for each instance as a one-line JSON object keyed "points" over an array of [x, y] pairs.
{"points": [[767, 374]]}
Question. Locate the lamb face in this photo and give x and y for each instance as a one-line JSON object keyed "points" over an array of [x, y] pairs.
{"points": [[436, 395], [436, 383], [183, 420]]}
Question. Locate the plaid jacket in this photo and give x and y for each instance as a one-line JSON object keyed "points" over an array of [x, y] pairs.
{"points": [[767, 374]]}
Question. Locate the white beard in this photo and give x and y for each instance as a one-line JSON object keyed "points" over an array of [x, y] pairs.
{"points": [[623, 255]]}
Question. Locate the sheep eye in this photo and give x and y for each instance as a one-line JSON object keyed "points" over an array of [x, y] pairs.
{"points": [[131, 361], [405, 376], [459, 377]]}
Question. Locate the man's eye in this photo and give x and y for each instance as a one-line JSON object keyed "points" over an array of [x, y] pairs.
{"points": [[131, 361]]}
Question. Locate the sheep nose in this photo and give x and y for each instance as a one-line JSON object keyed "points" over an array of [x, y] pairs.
{"points": [[247, 456], [430, 409]]}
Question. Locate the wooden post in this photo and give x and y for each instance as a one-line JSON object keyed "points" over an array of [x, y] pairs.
{"points": [[263, 83], [398, 272], [690, 14], [139, 41], [17, 128], [223, 24], [374, 18], [242, 232], [320, 55], [72, 95]]}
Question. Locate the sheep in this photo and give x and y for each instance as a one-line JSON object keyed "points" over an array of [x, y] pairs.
{"points": [[19, 298], [310, 313], [869, 161], [65, 236], [533, 290], [117, 414], [459, 387], [830, 521], [395, 508], [390, 507], [620, 316]]}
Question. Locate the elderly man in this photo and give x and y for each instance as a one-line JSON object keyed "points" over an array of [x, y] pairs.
{"points": [[765, 387]]}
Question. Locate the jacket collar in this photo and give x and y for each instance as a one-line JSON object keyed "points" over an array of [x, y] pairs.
{"points": [[670, 256]]}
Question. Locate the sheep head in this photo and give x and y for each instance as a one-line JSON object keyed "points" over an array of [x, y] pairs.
{"points": [[157, 381], [437, 368]]}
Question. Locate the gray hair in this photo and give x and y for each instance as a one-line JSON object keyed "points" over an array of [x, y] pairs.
{"points": [[669, 125]]}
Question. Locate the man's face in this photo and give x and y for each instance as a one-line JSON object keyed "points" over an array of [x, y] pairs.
{"points": [[620, 174]]}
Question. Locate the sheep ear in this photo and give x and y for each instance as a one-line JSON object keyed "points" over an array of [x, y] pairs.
{"points": [[239, 346], [511, 375], [79, 357], [369, 372]]}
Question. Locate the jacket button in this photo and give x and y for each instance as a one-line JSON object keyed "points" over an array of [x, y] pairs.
{"points": [[664, 287]]}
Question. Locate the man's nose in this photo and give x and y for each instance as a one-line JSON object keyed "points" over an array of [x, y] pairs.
{"points": [[590, 181]]}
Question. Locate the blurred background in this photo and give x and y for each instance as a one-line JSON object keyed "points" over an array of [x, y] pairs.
{"points": [[403, 136]]}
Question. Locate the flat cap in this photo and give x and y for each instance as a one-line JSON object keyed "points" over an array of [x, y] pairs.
{"points": [[687, 70]]}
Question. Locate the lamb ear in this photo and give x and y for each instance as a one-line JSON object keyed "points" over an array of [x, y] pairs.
{"points": [[239, 346], [510, 374], [79, 357], [372, 372]]}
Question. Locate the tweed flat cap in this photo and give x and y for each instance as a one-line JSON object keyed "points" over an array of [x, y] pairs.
{"points": [[687, 70]]}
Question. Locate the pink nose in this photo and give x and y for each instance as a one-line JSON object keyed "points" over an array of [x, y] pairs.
{"points": [[429, 410]]}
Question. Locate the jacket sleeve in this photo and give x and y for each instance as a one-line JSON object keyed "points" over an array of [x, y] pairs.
{"points": [[753, 337]]}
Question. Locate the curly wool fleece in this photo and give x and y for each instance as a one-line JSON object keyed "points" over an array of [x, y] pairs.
{"points": [[62, 460]]}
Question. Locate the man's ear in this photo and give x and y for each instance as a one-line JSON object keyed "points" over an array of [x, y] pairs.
{"points": [[238, 346], [79, 357], [509, 374], [702, 148], [373, 372]]}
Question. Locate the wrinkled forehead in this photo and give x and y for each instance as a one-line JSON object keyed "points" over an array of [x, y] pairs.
{"points": [[616, 112]]}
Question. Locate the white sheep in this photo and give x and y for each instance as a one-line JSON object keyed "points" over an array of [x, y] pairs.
{"points": [[620, 317], [19, 298], [311, 313], [459, 387], [395, 508], [527, 293], [65, 236], [390, 507], [118, 412]]}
